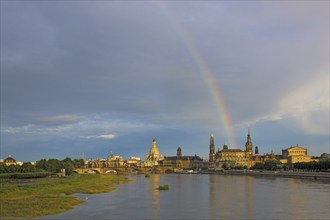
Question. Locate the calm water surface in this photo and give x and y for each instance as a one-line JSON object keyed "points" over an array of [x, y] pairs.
{"points": [[208, 197]]}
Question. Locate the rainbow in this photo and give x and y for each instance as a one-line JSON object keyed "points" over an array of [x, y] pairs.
{"points": [[222, 112]]}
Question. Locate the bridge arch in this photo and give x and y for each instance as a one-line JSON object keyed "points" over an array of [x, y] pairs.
{"points": [[92, 171], [111, 171]]}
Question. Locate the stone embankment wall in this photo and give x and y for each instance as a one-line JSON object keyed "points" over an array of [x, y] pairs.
{"points": [[314, 175]]}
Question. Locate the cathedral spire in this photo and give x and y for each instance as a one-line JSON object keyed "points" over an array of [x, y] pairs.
{"points": [[248, 145], [211, 155]]}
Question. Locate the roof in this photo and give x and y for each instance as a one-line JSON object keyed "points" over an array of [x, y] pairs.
{"points": [[171, 158], [296, 148], [231, 150], [195, 157], [9, 158]]}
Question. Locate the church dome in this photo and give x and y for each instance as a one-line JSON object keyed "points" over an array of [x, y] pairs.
{"points": [[154, 151]]}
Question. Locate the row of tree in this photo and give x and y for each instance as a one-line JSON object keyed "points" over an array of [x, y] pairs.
{"points": [[274, 164], [51, 165], [55, 165], [315, 166], [24, 168], [271, 164]]}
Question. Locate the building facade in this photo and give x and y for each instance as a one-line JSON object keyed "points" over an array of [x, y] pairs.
{"points": [[295, 154], [234, 157], [9, 161], [154, 157], [183, 162]]}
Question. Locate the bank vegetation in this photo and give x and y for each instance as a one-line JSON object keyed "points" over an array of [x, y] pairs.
{"points": [[29, 198]]}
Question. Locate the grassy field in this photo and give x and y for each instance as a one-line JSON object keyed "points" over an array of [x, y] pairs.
{"points": [[46, 196]]}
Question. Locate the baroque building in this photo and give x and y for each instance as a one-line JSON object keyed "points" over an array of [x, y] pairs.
{"points": [[234, 157], [248, 146], [182, 162], [295, 154], [154, 157]]}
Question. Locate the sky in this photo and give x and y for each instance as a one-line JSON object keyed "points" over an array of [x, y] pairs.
{"points": [[101, 77]]}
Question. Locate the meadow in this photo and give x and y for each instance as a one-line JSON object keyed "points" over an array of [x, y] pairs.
{"points": [[31, 198]]}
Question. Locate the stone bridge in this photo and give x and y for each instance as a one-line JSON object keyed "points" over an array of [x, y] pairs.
{"points": [[124, 170]]}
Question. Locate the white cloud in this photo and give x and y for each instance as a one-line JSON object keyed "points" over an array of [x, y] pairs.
{"points": [[307, 106], [66, 118], [94, 127], [102, 136]]}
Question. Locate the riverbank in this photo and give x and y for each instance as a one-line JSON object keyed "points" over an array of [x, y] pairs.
{"points": [[287, 174], [40, 197]]}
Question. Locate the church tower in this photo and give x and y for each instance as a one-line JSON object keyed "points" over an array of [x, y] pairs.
{"points": [[178, 153], [248, 146], [211, 155], [256, 150]]}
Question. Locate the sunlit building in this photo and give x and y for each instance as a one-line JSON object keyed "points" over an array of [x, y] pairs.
{"points": [[9, 161], [233, 157], [154, 157], [295, 154], [134, 162]]}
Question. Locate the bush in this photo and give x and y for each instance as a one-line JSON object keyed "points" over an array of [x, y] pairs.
{"points": [[163, 187], [24, 175]]}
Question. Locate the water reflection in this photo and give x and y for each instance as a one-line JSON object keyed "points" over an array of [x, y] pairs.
{"points": [[212, 196], [208, 197], [155, 195], [249, 201]]}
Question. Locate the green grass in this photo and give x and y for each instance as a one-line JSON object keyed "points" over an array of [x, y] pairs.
{"points": [[40, 197]]}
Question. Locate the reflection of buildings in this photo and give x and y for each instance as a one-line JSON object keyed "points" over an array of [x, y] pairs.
{"points": [[183, 162], [154, 157]]}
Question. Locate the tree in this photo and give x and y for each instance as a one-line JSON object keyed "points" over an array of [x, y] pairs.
{"points": [[225, 166], [41, 164], [79, 163], [27, 167], [258, 166], [272, 164]]}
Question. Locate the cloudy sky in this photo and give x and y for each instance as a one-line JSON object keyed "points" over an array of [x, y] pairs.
{"points": [[109, 76]]}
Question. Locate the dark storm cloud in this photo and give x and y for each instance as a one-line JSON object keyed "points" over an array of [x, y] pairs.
{"points": [[87, 69], [85, 61]]}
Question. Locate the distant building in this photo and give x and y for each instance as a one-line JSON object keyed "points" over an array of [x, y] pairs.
{"points": [[111, 162], [154, 157], [256, 150], [134, 162], [9, 161], [115, 161], [236, 157], [294, 155], [325, 157], [183, 162]]}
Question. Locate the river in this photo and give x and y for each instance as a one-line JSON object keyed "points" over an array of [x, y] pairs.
{"points": [[208, 197]]}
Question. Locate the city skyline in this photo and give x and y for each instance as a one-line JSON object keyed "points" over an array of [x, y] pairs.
{"points": [[101, 77]]}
